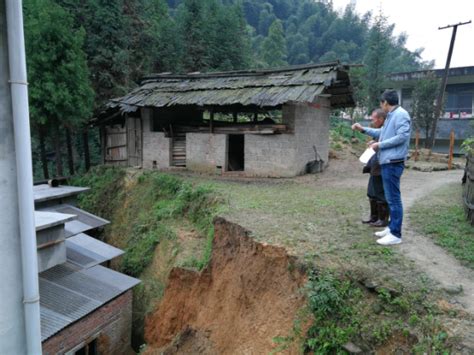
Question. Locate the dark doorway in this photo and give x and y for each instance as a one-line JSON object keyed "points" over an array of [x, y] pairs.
{"points": [[235, 158]]}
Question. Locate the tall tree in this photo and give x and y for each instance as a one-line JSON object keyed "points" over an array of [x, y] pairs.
{"points": [[60, 91], [424, 97], [107, 44], [376, 59], [192, 23], [274, 51]]}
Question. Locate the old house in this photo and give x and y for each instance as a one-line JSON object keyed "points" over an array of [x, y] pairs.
{"points": [[86, 308], [459, 102], [257, 123]]}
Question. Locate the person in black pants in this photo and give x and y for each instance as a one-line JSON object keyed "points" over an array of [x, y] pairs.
{"points": [[375, 193]]}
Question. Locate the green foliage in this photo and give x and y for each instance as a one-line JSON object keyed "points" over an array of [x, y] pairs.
{"points": [[158, 201], [147, 233], [468, 145], [341, 134], [424, 97], [330, 303], [59, 91], [274, 46], [106, 190]]}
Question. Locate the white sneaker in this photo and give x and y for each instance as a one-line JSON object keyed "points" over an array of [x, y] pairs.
{"points": [[389, 239], [383, 233]]}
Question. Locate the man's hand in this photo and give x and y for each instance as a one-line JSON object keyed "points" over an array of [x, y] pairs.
{"points": [[375, 146], [357, 127]]}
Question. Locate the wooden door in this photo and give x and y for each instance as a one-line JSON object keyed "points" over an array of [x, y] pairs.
{"points": [[134, 141]]}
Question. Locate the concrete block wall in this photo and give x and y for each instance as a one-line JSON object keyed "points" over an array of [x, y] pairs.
{"points": [[270, 156], [111, 324], [156, 147], [205, 151], [311, 129]]}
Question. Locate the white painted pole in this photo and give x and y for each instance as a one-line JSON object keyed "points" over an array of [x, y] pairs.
{"points": [[19, 95]]}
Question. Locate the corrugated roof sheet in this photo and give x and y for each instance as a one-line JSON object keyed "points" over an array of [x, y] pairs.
{"points": [[83, 222], [45, 192], [264, 88], [68, 293], [47, 219], [85, 251]]}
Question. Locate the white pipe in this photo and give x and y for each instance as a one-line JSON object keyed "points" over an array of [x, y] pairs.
{"points": [[19, 93], [12, 313]]}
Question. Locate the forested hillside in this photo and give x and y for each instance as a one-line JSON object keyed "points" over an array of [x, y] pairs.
{"points": [[82, 53]]}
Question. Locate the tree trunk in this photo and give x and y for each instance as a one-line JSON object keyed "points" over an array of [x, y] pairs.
{"points": [[87, 158], [44, 161], [70, 158], [57, 151], [427, 138]]}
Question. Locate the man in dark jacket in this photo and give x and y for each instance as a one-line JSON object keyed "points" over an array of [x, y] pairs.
{"points": [[378, 204]]}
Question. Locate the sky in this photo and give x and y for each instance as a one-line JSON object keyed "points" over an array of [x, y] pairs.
{"points": [[420, 20]]}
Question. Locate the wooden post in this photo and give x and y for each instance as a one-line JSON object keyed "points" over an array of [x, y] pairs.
{"points": [[255, 117], [211, 122], [234, 114], [451, 149], [417, 141]]}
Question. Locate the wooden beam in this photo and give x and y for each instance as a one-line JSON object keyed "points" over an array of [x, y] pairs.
{"points": [[211, 122]]}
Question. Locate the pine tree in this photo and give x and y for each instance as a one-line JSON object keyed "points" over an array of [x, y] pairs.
{"points": [[274, 52], [108, 44], [192, 27], [60, 92]]}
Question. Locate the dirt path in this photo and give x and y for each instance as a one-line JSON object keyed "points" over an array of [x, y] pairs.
{"points": [[430, 258]]}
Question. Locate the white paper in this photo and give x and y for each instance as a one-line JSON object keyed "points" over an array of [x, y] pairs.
{"points": [[365, 157]]}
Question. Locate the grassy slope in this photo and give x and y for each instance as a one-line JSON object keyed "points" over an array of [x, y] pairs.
{"points": [[446, 223]]}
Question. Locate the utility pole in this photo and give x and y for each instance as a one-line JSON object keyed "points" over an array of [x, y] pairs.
{"points": [[442, 88]]}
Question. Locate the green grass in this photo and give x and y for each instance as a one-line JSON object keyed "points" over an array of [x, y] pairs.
{"points": [[144, 213], [441, 217]]}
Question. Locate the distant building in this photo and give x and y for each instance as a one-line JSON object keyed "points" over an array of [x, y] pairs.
{"points": [[86, 308], [459, 102], [254, 123]]}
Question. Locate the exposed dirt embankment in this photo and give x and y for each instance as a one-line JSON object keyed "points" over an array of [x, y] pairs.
{"points": [[248, 294]]}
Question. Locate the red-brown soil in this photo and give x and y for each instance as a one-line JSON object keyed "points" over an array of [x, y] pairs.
{"points": [[248, 295]]}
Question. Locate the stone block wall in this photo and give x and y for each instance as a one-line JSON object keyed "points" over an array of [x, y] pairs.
{"points": [[111, 325], [156, 147]]}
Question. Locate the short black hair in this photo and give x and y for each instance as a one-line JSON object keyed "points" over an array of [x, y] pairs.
{"points": [[380, 113], [391, 96]]}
